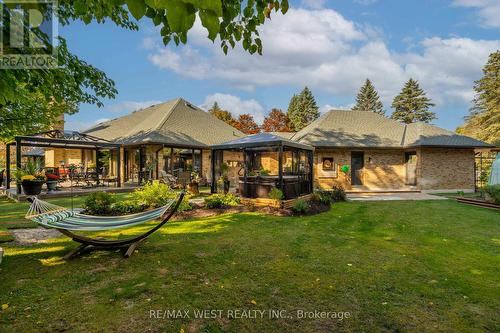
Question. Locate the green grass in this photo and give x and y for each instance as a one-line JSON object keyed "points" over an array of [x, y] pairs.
{"points": [[395, 266]]}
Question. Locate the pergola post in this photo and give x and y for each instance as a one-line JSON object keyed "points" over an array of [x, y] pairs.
{"points": [[141, 166], [18, 162], [118, 167], [280, 167], [7, 161], [172, 161], [97, 165], [245, 167], [213, 188], [310, 157]]}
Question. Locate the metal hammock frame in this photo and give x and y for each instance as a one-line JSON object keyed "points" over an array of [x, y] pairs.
{"points": [[107, 244]]}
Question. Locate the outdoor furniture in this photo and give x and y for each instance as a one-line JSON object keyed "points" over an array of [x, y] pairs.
{"points": [[168, 179], [67, 221]]}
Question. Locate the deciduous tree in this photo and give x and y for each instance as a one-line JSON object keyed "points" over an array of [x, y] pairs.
{"points": [[368, 99], [246, 124], [230, 21], [221, 114], [412, 105], [276, 121]]}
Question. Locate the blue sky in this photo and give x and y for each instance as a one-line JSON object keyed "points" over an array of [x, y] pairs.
{"points": [[330, 46]]}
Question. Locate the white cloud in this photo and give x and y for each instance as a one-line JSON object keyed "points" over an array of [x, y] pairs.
{"points": [[487, 10], [128, 106], [327, 107], [235, 105], [324, 50], [448, 67]]}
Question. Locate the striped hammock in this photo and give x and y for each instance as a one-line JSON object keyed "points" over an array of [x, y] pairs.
{"points": [[53, 216]]}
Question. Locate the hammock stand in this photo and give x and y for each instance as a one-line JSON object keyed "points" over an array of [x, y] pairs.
{"points": [[127, 245]]}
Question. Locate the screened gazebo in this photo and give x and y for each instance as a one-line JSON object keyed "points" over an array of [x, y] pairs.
{"points": [[267, 161], [59, 139]]}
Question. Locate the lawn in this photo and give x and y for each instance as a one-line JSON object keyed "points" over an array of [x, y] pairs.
{"points": [[394, 266]]}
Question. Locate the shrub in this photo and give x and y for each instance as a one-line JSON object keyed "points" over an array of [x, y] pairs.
{"points": [[322, 196], [276, 194], [155, 195], [127, 207], [221, 200], [99, 203], [301, 206], [214, 201], [494, 192], [338, 193]]}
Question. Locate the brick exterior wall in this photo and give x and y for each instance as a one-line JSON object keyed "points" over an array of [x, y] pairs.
{"points": [[437, 168], [446, 169]]}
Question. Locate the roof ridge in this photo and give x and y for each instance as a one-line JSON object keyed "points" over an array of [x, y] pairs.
{"points": [[167, 116], [403, 139]]}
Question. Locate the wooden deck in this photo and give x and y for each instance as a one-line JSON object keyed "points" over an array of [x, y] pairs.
{"points": [[262, 202]]}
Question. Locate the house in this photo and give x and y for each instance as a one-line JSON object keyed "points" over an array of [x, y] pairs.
{"points": [[173, 136], [385, 154], [358, 150]]}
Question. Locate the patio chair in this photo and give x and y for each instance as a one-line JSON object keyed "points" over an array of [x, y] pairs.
{"points": [[168, 179], [67, 221]]}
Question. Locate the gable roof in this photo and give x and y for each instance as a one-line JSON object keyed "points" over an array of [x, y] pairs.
{"points": [[363, 129], [175, 122]]}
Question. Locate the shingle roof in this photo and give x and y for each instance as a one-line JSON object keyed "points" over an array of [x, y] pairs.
{"points": [[345, 128], [286, 135], [175, 122]]}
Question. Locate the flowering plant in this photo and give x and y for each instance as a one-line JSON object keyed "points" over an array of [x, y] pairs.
{"points": [[51, 176], [28, 178]]}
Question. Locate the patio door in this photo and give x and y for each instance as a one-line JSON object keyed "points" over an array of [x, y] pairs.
{"points": [[357, 164], [411, 168]]}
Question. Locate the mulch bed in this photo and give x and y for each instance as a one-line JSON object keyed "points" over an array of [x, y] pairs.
{"points": [[200, 212]]}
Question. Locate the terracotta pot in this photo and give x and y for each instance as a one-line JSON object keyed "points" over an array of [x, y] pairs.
{"points": [[32, 187]]}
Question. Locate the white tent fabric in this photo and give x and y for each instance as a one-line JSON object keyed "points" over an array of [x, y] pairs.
{"points": [[495, 171]]}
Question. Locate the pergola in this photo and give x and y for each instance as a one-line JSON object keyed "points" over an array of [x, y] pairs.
{"points": [[295, 180], [59, 139]]}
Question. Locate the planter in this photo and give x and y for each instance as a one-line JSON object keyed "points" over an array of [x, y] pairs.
{"points": [[32, 187], [193, 188], [51, 185]]}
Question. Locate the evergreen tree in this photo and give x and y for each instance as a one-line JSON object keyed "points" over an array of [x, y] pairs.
{"points": [[484, 120], [246, 124], [368, 99], [411, 105], [221, 114], [302, 109], [276, 121]]}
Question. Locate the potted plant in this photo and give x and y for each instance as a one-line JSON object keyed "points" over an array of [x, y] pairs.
{"points": [[31, 178], [193, 186], [51, 182]]}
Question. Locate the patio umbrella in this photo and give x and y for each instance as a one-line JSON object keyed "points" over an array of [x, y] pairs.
{"points": [[495, 171]]}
